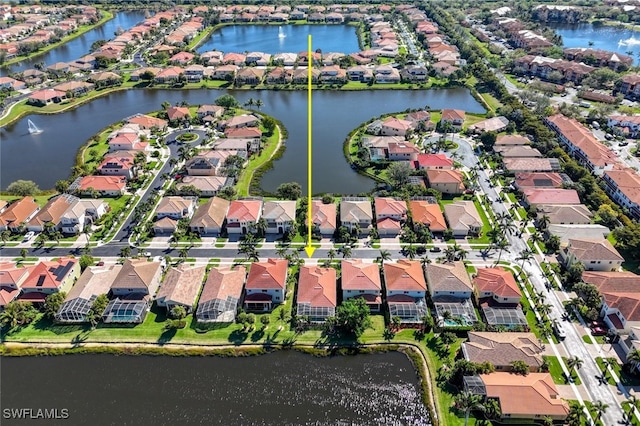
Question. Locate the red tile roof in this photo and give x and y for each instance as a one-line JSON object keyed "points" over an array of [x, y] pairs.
{"points": [[317, 286], [271, 274], [357, 275], [434, 160], [102, 183], [245, 210], [498, 281], [551, 196], [405, 275]]}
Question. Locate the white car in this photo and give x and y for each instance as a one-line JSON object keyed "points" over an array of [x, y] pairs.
{"points": [[559, 330], [29, 235]]}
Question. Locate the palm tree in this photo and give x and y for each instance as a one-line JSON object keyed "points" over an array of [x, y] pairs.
{"points": [[249, 102], [574, 362], [5, 235], [424, 261], [261, 226], [125, 252], [384, 256], [543, 222], [259, 103], [467, 401], [346, 252], [600, 408], [331, 254], [461, 254], [450, 254], [184, 253], [633, 358], [526, 255], [281, 251], [633, 403], [410, 251], [502, 245]]}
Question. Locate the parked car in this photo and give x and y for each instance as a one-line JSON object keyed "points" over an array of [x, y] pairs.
{"points": [[435, 249], [29, 235], [598, 331], [101, 263], [598, 323]]}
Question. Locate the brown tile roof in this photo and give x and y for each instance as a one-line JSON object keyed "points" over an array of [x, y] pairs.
{"points": [[357, 275], [182, 284], [593, 250], [405, 275], [453, 114], [448, 277], [500, 349], [428, 214], [525, 396], [512, 140], [578, 213], [627, 303], [211, 214], [175, 113], [317, 286], [94, 281], [12, 274], [538, 180], [147, 121], [445, 176], [498, 281], [18, 211], [622, 282], [173, 205], [136, 273], [223, 282], [627, 181], [387, 206], [271, 274], [53, 210], [525, 164]]}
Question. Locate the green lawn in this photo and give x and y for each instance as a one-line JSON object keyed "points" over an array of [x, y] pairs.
{"points": [[40, 199], [556, 371], [257, 161], [625, 378]]}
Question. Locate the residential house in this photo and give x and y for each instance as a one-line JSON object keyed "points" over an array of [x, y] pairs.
{"points": [[453, 117], [356, 213], [48, 277], [593, 255], [11, 279], [94, 281], [279, 75], [447, 181], [221, 295], [429, 214], [539, 180], [209, 219], [53, 213], [132, 291], [359, 279], [225, 72], [280, 216], [499, 297], [215, 111], [533, 197], [620, 293], [406, 290], [148, 122], [493, 124], [448, 280], [378, 146], [76, 88], [501, 349], [516, 165], [243, 216], [533, 396], [105, 186], [390, 215], [178, 114], [266, 285], [395, 127], [238, 121], [317, 296], [325, 217], [45, 97], [565, 214], [260, 59], [463, 218], [517, 151], [203, 165], [19, 213], [250, 75], [511, 140], [624, 188], [582, 232], [118, 163], [105, 79], [181, 287], [434, 162], [208, 186], [169, 75], [402, 151]]}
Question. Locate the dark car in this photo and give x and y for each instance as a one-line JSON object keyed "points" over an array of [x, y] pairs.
{"points": [[100, 263], [421, 250], [600, 324], [435, 249], [598, 331]]}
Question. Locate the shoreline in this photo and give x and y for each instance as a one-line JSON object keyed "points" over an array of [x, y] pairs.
{"points": [[411, 350]]}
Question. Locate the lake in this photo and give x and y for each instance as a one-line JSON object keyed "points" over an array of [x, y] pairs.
{"points": [[286, 38], [280, 388], [49, 156], [604, 37], [81, 45]]}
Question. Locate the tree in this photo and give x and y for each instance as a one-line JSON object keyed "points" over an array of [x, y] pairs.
{"points": [[125, 252], [178, 312], [552, 244], [488, 140], [465, 402], [52, 303], [5, 235], [384, 256], [574, 362], [410, 251], [23, 188], [399, 173], [17, 313], [23, 253], [600, 408], [289, 191], [265, 320], [97, 309], [633, 358], [62, 186], [353, 316], [227, 101], [520, 367], [269, 124], [633, 405], [448, 338], [86, 260], [526, 255], [331, 254], [346, 252], [606, 216]]}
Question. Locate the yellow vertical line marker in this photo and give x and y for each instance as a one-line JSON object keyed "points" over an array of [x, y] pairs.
{"points": [[309, 248]]}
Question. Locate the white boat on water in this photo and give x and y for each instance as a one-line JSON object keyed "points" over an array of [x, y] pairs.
{"points": [[33, 129]]}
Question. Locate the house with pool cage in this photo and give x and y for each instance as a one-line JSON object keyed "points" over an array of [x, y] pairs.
{"points": [[132, 291], [221, 295], [451, 291], [406, 290], [317, 293], [93, 282]]}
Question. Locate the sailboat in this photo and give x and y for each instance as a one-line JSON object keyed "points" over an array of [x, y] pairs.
{"points": [[33, 129]]}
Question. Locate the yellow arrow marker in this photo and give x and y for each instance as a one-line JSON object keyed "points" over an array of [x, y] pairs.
{"points": [[309, 248]]}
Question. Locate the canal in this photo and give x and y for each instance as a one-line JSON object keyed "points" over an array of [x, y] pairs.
{"points": [[280, 388], [49, 156], [81, 45]]}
